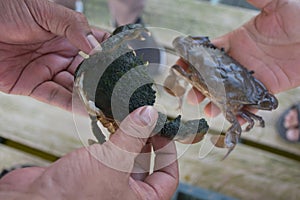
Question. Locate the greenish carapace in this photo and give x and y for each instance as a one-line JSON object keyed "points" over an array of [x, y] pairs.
{"points": [[114, 82]]}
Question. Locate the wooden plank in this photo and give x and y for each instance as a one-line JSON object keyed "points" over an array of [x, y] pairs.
{"points": [[245, 174], [40, 125], [10, 157]]}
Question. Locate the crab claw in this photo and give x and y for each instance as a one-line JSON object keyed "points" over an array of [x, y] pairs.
{"points": [[228, 141], [218, 141], [231, 139], [228, 152]]}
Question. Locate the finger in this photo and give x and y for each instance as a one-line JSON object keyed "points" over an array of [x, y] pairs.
{"points": [[141, 166], [65, 79], [195, 97], [127, 143], [100, 35], [211, 110], [182, 64], [241, 120], [164, 179], [75, 63], [135, 129], [222, 42], [249, 109], [63, 22], [165, 152], [20, 178], [54, 94], [42, 69]]}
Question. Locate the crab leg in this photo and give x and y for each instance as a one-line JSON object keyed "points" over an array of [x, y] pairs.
{"points": [[91, 108], [253, 116], [89, 105], [96, 130], [172, 85], [248, 118], [233, 134]]}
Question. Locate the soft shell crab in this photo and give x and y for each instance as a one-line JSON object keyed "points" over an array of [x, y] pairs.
{"points": [[114, 82], [225, 82]]}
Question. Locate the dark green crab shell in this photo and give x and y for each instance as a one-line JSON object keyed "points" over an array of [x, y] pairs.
{"points": [[117, 100]]}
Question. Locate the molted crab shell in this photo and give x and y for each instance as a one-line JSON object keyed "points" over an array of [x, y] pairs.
{"points": [[114, 82]]}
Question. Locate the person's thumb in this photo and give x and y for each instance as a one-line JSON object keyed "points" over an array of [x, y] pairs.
{"points": [[121, 150], [135, 129], [63, 22]]}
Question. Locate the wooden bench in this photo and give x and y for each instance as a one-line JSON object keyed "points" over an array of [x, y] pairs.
{"points": [[263, 166]]}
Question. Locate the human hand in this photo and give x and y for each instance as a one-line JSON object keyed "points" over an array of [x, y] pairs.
{"points": [[115, 170], [269, 44], [39, 45]]}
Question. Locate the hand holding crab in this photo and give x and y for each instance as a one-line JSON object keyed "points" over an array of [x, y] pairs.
{"points": [[268, 45], [39, 50], [38, 56], [113, 170]]}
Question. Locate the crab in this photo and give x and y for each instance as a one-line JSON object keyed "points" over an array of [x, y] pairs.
{"points": [[229, 85], [114, 82]]}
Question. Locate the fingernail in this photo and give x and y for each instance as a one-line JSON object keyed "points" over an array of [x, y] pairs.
{"points": [[94, 43], [84, 55], [145, 116]]}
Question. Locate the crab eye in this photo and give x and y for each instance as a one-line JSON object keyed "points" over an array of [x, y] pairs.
{"points": [[265, 103], [273, 100], [269, 102]]}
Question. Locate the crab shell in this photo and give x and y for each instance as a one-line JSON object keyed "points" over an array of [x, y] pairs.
{"points": [[114, 82], [224, 81]]}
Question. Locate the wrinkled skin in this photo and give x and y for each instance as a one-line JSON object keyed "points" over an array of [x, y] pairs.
{"points": [[229, 85], [40, 60], [273, 47], [98, 173], [273, 44]]}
